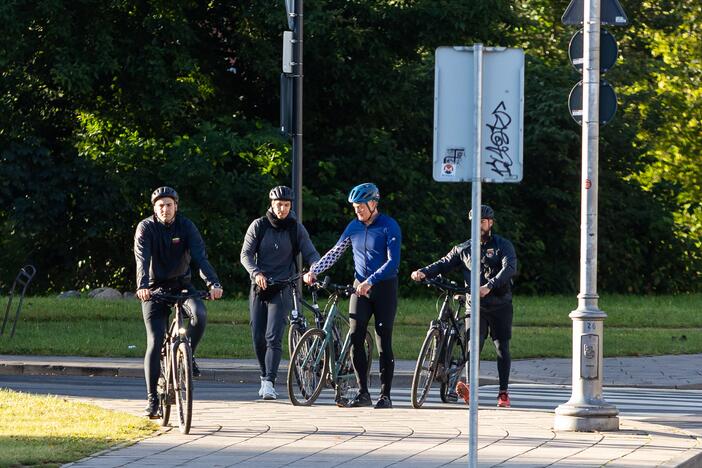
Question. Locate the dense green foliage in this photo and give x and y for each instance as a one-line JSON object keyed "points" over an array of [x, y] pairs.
{"points": [[100, 102]]}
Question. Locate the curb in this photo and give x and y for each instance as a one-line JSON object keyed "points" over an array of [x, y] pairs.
{"points": [[243, 375]]}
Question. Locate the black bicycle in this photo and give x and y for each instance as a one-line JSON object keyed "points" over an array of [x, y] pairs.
{"points": [[444, 353], [175, 382], [322, 357]]}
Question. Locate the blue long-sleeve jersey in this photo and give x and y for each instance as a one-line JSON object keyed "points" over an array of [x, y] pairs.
{"points": [[376, 249]]}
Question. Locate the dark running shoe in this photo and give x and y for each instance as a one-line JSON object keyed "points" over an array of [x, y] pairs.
{"points": [[341, 402], [362, 399], [151, 410], [383, 402], [196, 369]]}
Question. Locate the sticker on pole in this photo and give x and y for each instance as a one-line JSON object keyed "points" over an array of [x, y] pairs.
{"points": [[502, 115]]}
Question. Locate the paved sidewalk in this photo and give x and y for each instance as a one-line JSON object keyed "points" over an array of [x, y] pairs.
{"points": [[232, 432]]}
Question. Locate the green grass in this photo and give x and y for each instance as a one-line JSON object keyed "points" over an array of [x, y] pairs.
{"points": [[58, 431], [636, 325]]}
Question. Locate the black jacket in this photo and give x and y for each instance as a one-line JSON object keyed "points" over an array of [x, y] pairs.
{"points": [[498, 264], [163, 253]]}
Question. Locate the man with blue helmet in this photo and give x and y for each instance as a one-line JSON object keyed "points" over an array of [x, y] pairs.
{"points": [[375, 240]]}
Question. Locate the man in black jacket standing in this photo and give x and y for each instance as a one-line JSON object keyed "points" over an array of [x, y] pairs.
{"points": [[164, 246], [498, 264]]}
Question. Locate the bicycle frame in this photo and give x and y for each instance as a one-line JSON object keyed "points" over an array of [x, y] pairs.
{"points": [[332, 335], [448, 322]]}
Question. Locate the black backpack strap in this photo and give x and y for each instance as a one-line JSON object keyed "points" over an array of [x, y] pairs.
{"points": [[261, 229], [292, 231]]}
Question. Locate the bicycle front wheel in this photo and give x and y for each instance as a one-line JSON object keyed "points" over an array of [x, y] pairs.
{"points": [[455, 363], [164, 398], [295, 332], [425, 370], [184, 386], [308, 368]]}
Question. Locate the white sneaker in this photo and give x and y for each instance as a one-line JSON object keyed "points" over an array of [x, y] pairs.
{"points": [[268, 391], [260, 390]]}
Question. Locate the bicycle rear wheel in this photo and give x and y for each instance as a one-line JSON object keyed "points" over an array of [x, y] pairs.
{"points": [[295, 332], [455, 363], [308, 368], [425, 370], [164, 399], [184, 386]]}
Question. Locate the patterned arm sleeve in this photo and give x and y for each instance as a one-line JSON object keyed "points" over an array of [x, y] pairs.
{"points": [[330, 258]]}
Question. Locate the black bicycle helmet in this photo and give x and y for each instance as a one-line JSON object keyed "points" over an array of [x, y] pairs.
{"points": [[281, 192], [164, 192], [364, 193], [485, 213]]}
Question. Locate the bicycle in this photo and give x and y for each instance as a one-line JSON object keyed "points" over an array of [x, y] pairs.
{"points": [[298, 321], [175, 382], [444, 353], [321, 359]]}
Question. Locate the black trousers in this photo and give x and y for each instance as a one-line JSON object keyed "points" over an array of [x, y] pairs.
{"points": [[268, 320], [382, 304]]}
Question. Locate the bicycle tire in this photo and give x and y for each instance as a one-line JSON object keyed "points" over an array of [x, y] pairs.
{"points": [[346, 379], [307, 372], [184, 386], [162, 391], [455, 363], [295, 332], [425, 369]]}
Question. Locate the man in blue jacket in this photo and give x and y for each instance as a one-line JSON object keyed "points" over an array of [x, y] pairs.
{"points": [[164, 246], [498, 264], [375, 240]]}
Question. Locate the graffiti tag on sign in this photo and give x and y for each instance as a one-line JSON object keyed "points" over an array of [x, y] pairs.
{"points": [[499, 147]]}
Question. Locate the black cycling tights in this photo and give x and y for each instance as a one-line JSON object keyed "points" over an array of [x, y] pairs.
{"points": [[382, 304], [156, 322], [504, 360]]}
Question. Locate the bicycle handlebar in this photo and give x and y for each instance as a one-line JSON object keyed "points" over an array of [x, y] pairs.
{"points": [[444, 285], [160, 295], [343, 289], [292, 281]]}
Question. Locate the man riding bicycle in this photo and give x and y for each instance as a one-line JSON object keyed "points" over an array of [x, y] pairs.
{"points": [[498, 264], [164, 246]]}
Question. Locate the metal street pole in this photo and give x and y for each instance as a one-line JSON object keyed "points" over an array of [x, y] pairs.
{"points": [[587, 410], [474, 350], [297, 111]]}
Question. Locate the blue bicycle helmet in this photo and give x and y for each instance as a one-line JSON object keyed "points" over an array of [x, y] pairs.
{"points": [[364, 193]]}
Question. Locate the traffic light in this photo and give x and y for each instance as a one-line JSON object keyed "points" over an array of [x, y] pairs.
{"points": [[611, 13]]}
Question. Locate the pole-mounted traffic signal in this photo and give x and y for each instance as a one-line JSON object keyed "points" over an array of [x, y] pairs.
{"points": [[611, 13]]}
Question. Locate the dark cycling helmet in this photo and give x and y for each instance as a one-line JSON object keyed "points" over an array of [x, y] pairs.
{"points": [[281, 192], [364, 193], [164, 192], [485, 213]]}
